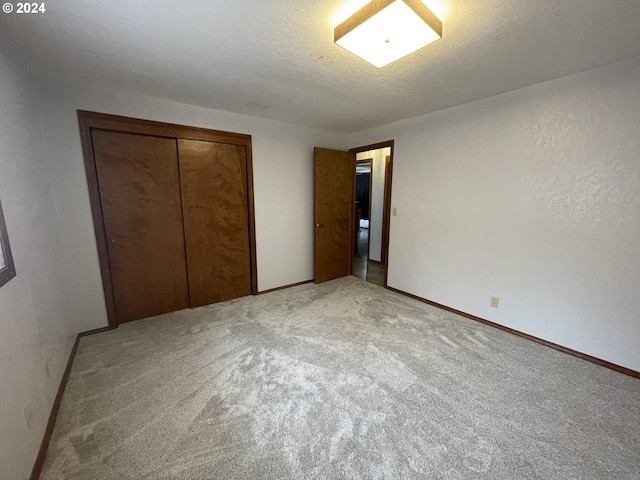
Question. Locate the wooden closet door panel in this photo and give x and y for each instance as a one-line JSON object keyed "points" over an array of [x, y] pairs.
{"points": [[216, 220], [139, 186]]}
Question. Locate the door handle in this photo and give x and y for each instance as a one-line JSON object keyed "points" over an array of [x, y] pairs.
{"points": [[318, 225], [114, 242]]}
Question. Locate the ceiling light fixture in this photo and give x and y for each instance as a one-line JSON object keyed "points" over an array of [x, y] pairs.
{"points": [[383, 31]]}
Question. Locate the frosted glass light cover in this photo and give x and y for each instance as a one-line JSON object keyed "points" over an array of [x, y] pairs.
{"points": [[392, 33]]}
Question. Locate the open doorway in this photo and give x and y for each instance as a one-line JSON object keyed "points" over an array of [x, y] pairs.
{"points": [[372, 197], [337, 228], [364, 180]]}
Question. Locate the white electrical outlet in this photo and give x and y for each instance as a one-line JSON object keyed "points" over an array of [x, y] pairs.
{"points": [[495, 302], [395, 211]]}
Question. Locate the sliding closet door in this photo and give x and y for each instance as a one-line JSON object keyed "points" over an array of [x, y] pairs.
{"points": [[139, 185], [213, 178]]}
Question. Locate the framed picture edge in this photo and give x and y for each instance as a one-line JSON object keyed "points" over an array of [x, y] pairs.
{"points": [[9, 270]]}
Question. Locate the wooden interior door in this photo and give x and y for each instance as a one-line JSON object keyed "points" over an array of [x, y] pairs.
{"points": [[139, 187], [216, 220], [334, 213], [386, 210]]}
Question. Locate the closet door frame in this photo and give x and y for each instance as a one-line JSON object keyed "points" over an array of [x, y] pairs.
{"points": [[89, 121]]}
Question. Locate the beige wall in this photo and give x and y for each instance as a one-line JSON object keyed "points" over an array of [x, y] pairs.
{"points": [[531, 196], [37, 320]]}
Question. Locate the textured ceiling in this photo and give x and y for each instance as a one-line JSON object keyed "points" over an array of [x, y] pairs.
{"points": [[276, 58]]}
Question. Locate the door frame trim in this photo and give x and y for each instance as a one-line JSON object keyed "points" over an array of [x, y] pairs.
{"points": [[386, 212], [92, 120], [386, 207]]}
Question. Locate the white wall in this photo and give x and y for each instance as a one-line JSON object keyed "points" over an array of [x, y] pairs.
{"points": [[283, 184], [532, 196], [37, 325], [377, 199]]}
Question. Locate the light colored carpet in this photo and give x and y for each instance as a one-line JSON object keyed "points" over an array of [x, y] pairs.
{"points": [[340, 380]]}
